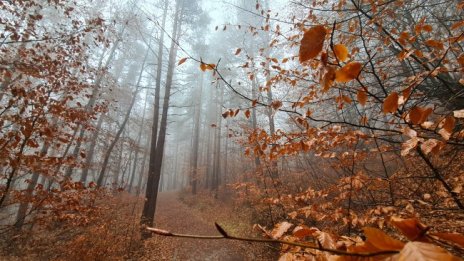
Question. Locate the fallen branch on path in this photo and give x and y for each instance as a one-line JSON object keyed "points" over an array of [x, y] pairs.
{"points": [[225, 235]]}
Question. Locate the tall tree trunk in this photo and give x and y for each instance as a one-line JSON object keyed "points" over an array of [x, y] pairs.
{"points": [[115, 140], [91, 150], [139, 138], [217, 144], [196, 136], [157, 146]]}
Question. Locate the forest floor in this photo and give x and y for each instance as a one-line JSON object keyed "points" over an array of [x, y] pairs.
{"points": [[180, 213]]}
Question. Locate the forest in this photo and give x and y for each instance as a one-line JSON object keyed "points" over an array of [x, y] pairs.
{"points": [[232, 130]]}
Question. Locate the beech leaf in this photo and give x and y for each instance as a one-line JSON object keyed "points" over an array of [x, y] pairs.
{"points": [[280, 229], [312, 43], [419, 251], [390, 104], [348, 72], [181, 61], [381, 240], [341, 52]]}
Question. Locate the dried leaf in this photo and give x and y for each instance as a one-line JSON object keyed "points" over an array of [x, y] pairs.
{"points": [[407, 146], [454, 238], [247, 114], [362, 97], [410, 227], [341, 52], [419, 115], [382, 241], [348, 72], [390, 104], [429, 145], [458, 114], [238, 51], [418, 251], [280, 229], [181, 61], [312, 43]]}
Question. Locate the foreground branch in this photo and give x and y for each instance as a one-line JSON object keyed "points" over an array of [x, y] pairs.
{"points": [[225, 235]]}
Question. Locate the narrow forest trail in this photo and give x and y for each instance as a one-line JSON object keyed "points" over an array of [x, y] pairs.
{"points": [[175, 216]]}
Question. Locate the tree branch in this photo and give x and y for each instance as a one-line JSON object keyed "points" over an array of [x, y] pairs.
{"points": [[225, 235]]}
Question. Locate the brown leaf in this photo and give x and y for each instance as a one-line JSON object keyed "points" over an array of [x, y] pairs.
{"points": [[362, 97], [247, 114], [454, 238], [348, 72], [429, 145], [312, 43], [238, 51], [328, 79], [410, 227], [418, 251], [181, 61], [381, 240], [280, 229], [341, 52], [390, 104]]}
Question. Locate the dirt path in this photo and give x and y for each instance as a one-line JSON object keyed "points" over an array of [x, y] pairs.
{"points": [[175, 216]]}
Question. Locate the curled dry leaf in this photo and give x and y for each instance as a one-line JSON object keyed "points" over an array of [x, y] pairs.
{"points": [[280, 229], [431, 145], [348, 72], [410, 227], [312, 43], [407, 146], [206, 66], [247, 114], [328, 79]]}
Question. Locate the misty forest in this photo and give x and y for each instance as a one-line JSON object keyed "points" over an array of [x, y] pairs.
{"points": [[231, 130]]}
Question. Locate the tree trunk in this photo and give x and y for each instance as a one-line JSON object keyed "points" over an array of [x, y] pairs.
{"points": [[157, 146], [196, 136]]}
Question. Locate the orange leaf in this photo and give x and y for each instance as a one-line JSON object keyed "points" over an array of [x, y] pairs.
{"points": [[415, 251], [205, 66], [380, 240], [419, 115], [448, 126], [303, 231], [341, 52], [328, 79], [410, 227], [435, 44], [181, 61], [348, 72], [407, 92], [312, 43], [247, 114], [362, 97], [390, 104], [451, 237]]}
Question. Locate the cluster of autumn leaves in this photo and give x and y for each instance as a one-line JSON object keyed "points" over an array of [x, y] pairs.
{"points": [[419, 242]]}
